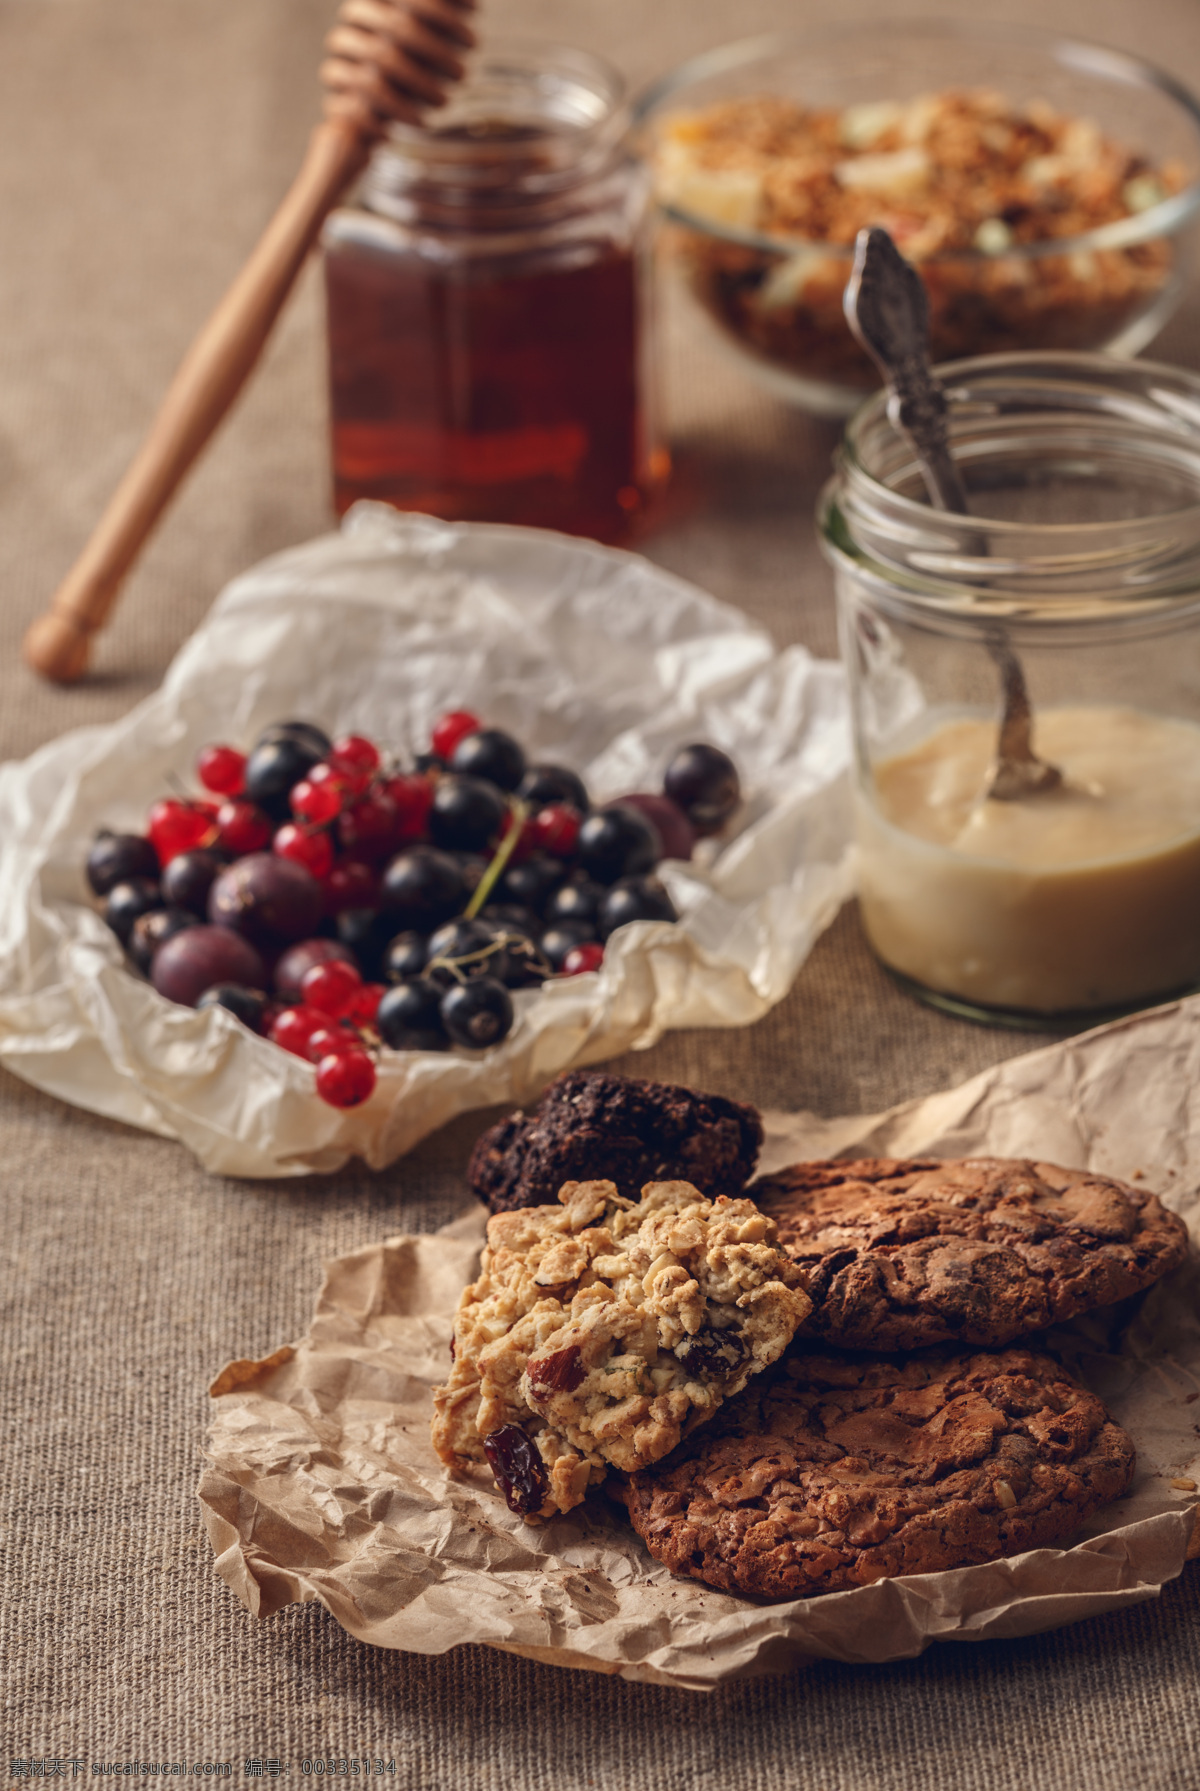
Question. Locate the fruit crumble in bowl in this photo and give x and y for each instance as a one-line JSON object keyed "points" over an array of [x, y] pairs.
{"points": [[1045, 188]]}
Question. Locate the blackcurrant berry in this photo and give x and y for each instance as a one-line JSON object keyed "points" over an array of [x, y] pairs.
{"points": [[422, 887], [466, 813], [410, 1019], [364, 933], [531, 883], [247, 1005], [703, 780], [634, 898], [512, 917], [188, 878], [477, 1014], [576, 899], [520, 965], [405, 957], [311, 737], [492, 754], [273, 768], [136, 895], [116, 857], [618, 842], [464, 948], [543, 784]]}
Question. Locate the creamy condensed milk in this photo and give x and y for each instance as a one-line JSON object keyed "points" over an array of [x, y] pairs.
{"points": [[1087, 897]]}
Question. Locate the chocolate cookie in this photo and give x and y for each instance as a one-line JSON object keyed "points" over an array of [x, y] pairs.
{"points": [[619, 1129], [899, 1255], [601, 1331], [833, 1472]]}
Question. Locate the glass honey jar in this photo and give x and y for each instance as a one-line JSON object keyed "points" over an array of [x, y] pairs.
{"points": [[487, 311]]}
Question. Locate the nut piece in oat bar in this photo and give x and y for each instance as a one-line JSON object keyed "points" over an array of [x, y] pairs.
{"points": [[601, 1331], [623, 1129]]}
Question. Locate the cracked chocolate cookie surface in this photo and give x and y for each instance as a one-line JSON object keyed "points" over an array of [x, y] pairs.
{"points": [[982, 1250], [600, 1331], [833, 1472], [621, 1129]]}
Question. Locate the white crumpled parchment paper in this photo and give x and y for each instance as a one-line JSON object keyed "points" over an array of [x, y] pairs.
{"points": [[589, 656], [324, 1485]]}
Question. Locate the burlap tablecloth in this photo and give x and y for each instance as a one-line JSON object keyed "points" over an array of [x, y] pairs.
{"points": [[142, 144]]}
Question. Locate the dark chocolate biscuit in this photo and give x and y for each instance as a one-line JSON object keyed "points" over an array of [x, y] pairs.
{"points": [[592, 1127], [833, 1472], [982, 1250]]}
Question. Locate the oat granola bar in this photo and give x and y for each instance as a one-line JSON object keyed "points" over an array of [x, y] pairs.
{"points": [[600, 1331]]}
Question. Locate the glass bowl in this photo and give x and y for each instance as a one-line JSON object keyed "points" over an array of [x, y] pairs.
{"points": [[776, 294]]}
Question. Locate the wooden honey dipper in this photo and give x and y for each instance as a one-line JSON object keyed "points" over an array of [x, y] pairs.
{"points": [[385, 61]]}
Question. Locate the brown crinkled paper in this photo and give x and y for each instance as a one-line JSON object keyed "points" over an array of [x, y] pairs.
{"points": [[323, 1484]]}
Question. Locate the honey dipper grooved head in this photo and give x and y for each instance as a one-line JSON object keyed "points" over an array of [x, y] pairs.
{"points": [[389, 61]]}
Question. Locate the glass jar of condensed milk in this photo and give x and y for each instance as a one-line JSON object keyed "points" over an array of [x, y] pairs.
{"points": [[1082, 553]]}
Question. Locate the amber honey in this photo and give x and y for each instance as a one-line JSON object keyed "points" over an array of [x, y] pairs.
{"points": [[486, 322], [506, 399]]}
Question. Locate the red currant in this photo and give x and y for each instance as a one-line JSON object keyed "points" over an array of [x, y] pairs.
{"points": [[555, 829], [355, 754], [242, 827], [173, 826], [350, 780], [450, 728], [313, 850], [331, 987], [222, 769], [351, 884], [369, 827], [327, 1038], [317, 802], [345, 1078], [412, 795], [582, 958], [365, 1004], [292, 1028]]}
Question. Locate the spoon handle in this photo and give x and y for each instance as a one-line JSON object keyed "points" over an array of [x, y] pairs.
{"points": [[887, 309]]}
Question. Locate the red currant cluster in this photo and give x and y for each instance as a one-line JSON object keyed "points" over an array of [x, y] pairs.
{"points": [[333, 902]]}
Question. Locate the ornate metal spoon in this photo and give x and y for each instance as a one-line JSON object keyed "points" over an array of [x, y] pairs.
{"points": [[888, 311]]}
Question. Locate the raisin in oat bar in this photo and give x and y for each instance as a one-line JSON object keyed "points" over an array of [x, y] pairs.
{"points": [[600, 1331]]}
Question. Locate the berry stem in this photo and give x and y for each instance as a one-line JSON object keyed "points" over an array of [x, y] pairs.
{"points": [[495, 870]]}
